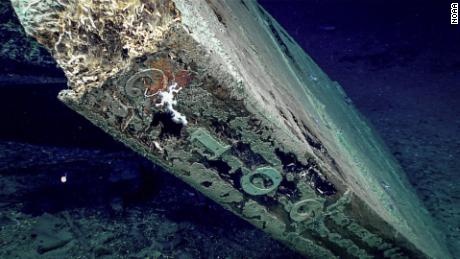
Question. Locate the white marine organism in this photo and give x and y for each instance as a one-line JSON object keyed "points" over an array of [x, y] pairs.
{"points": [[167, 101]]}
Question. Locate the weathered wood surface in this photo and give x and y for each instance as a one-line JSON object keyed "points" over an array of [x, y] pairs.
{"points": [[222, 97]]}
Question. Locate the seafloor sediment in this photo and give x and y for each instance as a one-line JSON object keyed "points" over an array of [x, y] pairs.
{"points": [[113, 205]]}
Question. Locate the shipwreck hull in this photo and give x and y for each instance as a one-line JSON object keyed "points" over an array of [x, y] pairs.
{"points": [[219, 95]]}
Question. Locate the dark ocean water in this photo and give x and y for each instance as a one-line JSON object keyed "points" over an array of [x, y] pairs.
{"points": [[398, 62]]}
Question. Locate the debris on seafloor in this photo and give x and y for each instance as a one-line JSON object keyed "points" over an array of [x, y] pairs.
{"points": [[50, 234], [256, 125]]}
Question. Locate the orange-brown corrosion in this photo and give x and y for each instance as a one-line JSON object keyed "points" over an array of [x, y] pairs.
{"points": [[157, 85], [161, 81], [183, 78]]}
